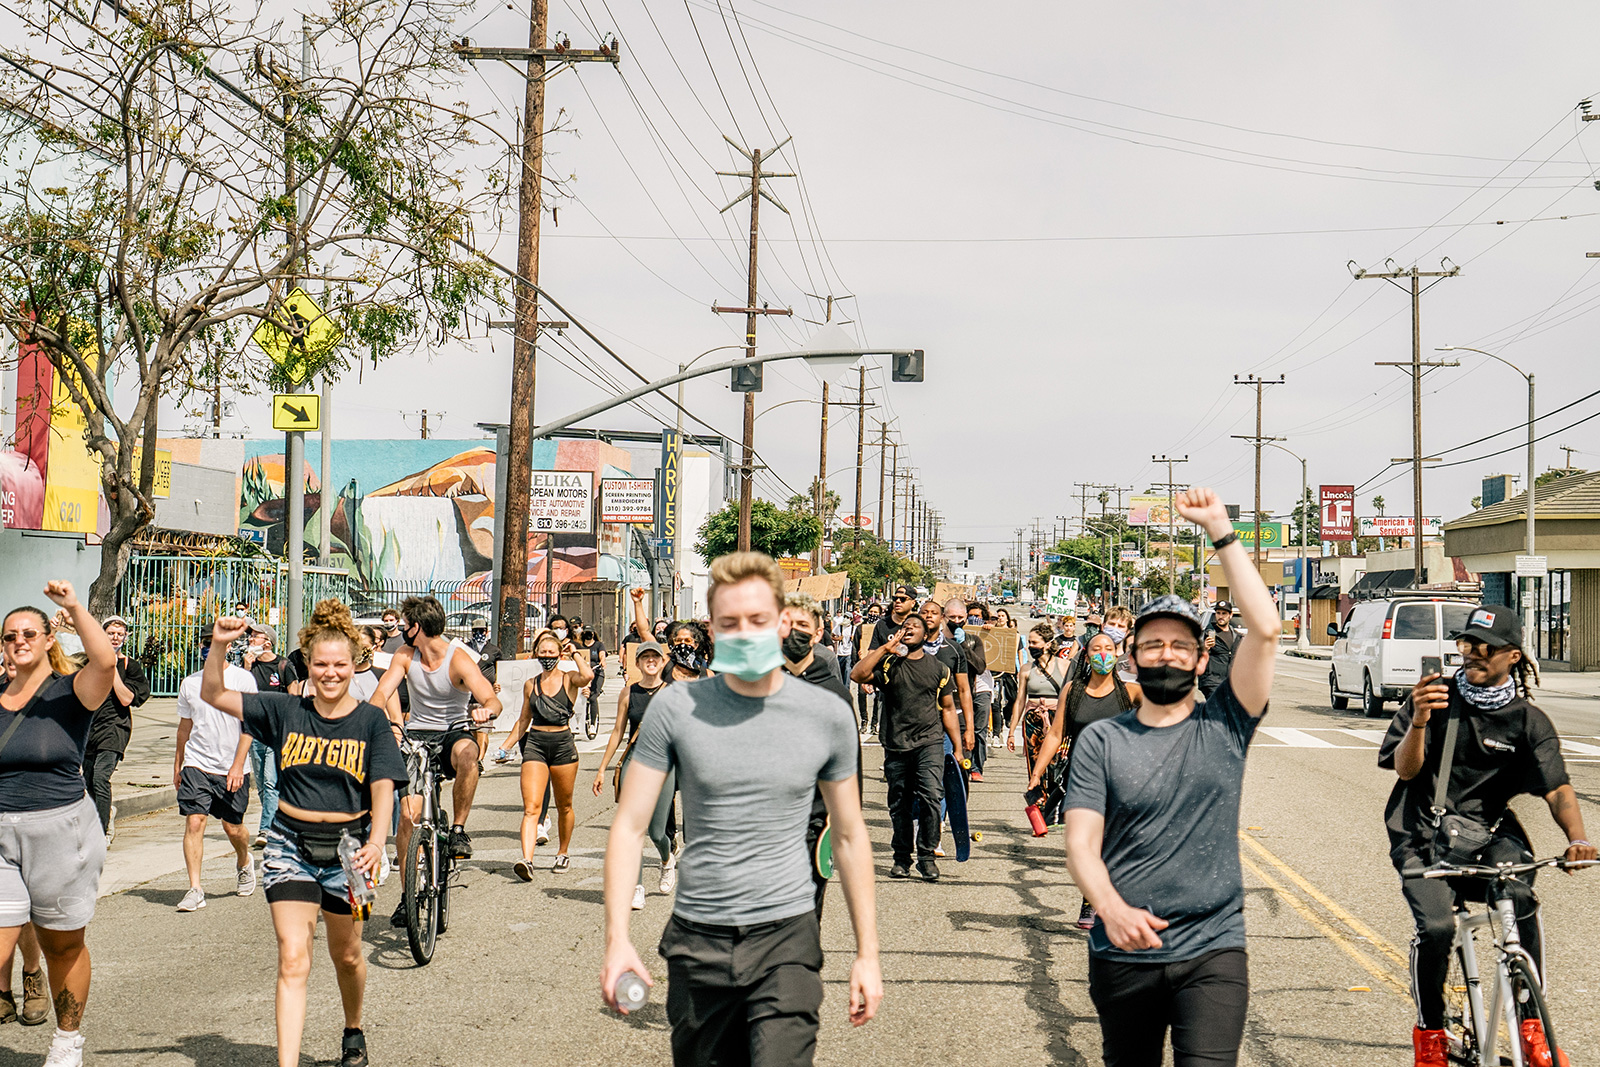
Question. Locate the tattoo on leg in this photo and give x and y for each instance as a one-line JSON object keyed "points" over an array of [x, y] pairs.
{"points": [[69, 1010]]}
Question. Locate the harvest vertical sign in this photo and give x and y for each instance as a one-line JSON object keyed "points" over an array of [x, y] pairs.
{"points": [[667, 514]]}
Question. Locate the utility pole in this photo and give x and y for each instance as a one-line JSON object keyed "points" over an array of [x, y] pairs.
{"points": [[821, 495], [894, 494], [513, 577], [883, 450], [750, 312], [1416, 367], [424, 424], [861, 453], [1259, 439], [1172, 535]]}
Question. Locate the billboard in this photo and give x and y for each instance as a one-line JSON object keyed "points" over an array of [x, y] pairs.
{"points": [[627, 500], [1401, 526], [1271, 534], [1150, 510], [667, 515], [856, 521], [1338, 512], [561, 502]]}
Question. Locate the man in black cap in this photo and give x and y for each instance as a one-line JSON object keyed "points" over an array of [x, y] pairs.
{"points": [[1153, 824], [1504, 746], [883, 630], [1220, 640]]}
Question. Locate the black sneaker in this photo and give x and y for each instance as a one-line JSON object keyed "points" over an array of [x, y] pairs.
{"points": [[353, 1051], [899, 870], [928, 869], [1086, 917], [460, 844], [398, 919]]}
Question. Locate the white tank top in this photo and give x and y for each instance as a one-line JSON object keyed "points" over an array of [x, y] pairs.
{"points": [[436, 704]]}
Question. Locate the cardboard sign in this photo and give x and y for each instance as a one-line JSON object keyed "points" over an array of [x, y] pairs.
{"points": [[1063, 596], [825, 587], [944, 591], [999, 648]]}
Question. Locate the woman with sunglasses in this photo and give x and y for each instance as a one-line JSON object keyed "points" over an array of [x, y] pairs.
{"points": [[549, 755], [338, 764], [631, 705], [51, 844]]}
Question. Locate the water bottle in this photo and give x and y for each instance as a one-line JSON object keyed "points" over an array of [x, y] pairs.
{"points": [[631, 991], [359, 889]]}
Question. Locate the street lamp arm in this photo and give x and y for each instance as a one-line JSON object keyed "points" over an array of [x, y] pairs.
{"points": [[1087, 563], [656, 386], [1481, 352]]}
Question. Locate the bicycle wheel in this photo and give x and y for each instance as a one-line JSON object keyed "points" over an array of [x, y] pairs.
{"points": [[421, 896], [1523, 981], [1460, 1024], [447, 867]]}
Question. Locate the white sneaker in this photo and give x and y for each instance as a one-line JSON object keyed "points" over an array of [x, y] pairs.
{"points": [[111, 826], [669, 879], [938, 850], [638, 898], [247, 878], [544, 833], [66, 1049], [193, 900]]}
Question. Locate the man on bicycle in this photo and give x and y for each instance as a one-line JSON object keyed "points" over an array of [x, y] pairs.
{"points": [[1504, 746], [444, 678]]}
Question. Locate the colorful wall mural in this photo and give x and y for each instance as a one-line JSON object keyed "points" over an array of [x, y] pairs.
{"points": [[411, 512], [49, 480]]}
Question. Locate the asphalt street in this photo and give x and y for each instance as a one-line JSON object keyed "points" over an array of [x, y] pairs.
{"points": [[983, 968]]}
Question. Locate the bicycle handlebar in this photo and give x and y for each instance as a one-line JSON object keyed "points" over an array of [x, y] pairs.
{"points": [[1505, 870]]}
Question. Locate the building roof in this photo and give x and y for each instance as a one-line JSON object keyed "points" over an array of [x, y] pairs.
{"points": [[1576, 496]]}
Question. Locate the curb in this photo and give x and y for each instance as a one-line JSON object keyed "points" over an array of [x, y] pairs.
{"points": [[144, 801], [1299, 653]]}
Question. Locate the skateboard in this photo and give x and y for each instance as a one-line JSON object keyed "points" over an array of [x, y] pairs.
{"points": [[822, 858], [955, 806]]}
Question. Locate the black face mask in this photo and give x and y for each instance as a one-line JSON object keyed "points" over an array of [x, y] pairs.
{"points": [[796, 646], [549, 662], [1166, 684], [686, 657]]}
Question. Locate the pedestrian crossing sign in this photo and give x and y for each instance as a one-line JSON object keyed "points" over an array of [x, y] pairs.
{"points": [[298, 336], [296, 412]]}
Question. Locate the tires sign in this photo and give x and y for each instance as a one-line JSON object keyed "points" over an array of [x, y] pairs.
{"points": [[561, 502]]}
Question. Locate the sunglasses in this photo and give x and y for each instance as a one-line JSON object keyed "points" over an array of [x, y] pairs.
{"points": [[24, 636]]}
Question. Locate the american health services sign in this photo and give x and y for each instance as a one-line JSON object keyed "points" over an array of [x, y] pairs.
{"points": [[562, 502], [628, 500]]}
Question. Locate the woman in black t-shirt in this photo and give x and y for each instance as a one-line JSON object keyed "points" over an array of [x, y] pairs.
{"points": [[51, 844], [338, 763]]}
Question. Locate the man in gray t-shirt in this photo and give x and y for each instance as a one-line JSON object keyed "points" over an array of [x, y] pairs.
{"points": [[750, 746]]}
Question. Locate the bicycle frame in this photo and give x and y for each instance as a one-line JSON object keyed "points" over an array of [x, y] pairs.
{"points": [[1507, 943]]}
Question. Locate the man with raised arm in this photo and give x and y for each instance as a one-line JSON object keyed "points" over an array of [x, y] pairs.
{"points": [[1153, 822]]}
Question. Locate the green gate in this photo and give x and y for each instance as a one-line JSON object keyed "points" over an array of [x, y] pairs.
{"points": [[171, 601]]}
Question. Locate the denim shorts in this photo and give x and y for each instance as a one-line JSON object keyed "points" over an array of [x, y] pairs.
{"points": [[287, 875], [50, 863]]}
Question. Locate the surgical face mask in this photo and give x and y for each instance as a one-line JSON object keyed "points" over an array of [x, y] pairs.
{"points": [[797, 645], [1165, 683], [549, 662], [749, 656], [1102, 662], [1116, 633], [559, 631]]}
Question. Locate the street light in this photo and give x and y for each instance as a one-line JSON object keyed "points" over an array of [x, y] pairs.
{"points": [[1301, 640], [1527, 612]]}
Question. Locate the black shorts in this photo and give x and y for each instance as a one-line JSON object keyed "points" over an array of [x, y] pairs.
{"points": [[440, 744], [554, 748], [203, 793]]}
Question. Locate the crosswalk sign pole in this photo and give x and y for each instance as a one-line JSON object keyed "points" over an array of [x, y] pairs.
{"points": [[294, 488]]}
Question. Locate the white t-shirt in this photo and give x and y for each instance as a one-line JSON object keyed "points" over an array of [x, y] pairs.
{"points": [[364, 683], [214, 739]]}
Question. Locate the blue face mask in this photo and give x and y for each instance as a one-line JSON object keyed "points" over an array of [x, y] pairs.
{"points": [[749, 656], [1116, 633]]}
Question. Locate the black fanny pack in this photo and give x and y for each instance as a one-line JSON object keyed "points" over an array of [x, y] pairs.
{"points": [[318, 842], [1458, 840]]}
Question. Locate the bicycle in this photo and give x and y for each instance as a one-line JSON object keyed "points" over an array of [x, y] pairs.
{"points": [[1473, 1028], [428, 864]]}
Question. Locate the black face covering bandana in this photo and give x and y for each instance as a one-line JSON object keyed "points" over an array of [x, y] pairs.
{"points": [[686, 657], [1166, 684], [796, 646], [549, 662]]}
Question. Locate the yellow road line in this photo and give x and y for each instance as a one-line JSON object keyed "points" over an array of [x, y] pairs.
{"points": [[1322, 926], [1381, 944]]}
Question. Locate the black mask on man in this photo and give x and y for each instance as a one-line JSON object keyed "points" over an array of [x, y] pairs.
{"points": [[1165, 683], [796, 646]]}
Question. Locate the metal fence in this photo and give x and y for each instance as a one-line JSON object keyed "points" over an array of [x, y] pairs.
{"points": [[171, 601]]}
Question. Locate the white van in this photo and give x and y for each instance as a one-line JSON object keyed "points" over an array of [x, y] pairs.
{"points": [[1378, 653]]}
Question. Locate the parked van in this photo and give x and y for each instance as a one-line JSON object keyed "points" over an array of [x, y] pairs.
{"points": [[1378, 653]]}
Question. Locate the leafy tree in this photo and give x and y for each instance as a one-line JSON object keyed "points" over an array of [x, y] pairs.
{"points": [[1305, 512], [1554, 474], [807, 503], [776, 532], [872, 566], [179, 175]]}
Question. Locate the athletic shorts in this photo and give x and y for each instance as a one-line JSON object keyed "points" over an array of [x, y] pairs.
{"points": [[288, 875], [440, 744], [554, 748], [50, 864], [203, 793]]}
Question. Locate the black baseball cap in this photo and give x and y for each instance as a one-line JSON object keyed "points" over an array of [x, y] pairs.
{"points": [[1169, 606], [905, 591], [1223, 605], [1493, 624]]}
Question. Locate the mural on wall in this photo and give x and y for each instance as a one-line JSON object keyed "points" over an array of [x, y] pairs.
{"points": [[49, 480], [414, 512]]}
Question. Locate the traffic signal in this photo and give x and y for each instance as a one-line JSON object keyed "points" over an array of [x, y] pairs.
{"points": [[907, 366], [747, 378]]}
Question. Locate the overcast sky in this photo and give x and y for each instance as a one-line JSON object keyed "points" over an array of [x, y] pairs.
{"points": [[1090, 216]]}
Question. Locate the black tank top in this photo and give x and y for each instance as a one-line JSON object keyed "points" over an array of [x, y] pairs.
{"points": [[550, 711], [1093, 709], [638, 700]]}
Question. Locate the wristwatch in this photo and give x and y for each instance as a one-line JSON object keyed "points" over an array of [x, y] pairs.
{"points": [[1226, 539]]}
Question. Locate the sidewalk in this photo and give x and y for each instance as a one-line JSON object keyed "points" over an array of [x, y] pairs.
{"points": [[143, 781]]}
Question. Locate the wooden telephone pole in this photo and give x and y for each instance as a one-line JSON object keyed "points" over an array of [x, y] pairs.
{"points": [[749, 382], [543, 63], [1259, 440]]}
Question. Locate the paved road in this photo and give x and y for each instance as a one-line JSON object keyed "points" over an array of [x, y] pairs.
{"points": [[983, 968]]}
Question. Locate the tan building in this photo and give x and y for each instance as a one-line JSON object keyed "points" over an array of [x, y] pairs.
{"points": [[1565, 606]]}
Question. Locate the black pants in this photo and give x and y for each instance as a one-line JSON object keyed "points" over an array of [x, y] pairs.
{"points": [[1433, 902], [1005, 686], [1203, 1000], [913, 777], [862, 696], [740, 995], [99, 764]]}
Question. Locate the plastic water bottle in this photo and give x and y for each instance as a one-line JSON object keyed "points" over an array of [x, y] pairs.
{"points": [[632, 992], [359, 889]]}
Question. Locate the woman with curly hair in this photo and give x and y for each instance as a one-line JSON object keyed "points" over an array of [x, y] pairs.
{"points": [[338, 762]]}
